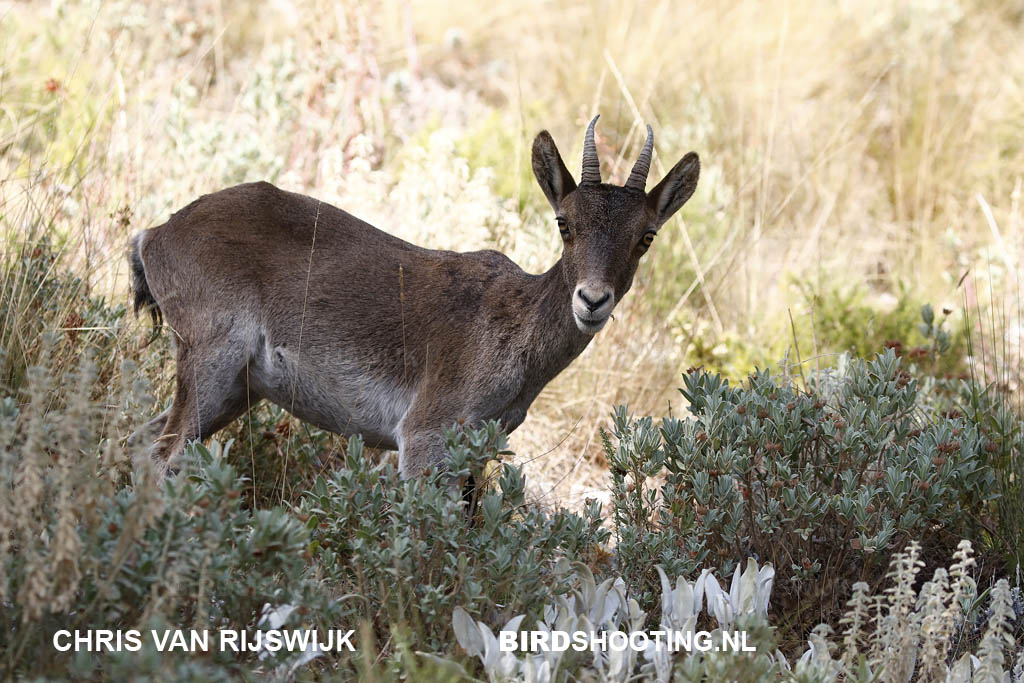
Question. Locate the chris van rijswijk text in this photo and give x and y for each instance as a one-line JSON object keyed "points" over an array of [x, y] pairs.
{"points": [[177, 640]]}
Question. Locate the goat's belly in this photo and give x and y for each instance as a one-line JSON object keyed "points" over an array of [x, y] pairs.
{"points": [[341, 417], [339, 402], [338, 419]]}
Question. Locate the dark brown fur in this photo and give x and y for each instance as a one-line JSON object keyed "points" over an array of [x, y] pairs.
{"points": [[277, 295]]}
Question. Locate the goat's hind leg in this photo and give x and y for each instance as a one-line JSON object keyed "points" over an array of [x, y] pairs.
{"points": [[212, 391]]}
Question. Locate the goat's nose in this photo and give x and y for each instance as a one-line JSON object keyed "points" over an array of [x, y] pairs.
{"points": [[594, 301]]}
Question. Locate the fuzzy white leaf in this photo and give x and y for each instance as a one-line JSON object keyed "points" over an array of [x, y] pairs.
{"points": [[699, 589], [712, 590], [466, 633], [616, 664], [765, 580], [274, 617], [588, 586], [667, 601], [491, 652], [724, 611], [544, 673], [513, 623], [599, 603], [960, 671], [746, 601], [684, 600]]}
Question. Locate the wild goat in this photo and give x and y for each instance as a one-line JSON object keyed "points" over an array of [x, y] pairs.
{"points": [[277, 295]]}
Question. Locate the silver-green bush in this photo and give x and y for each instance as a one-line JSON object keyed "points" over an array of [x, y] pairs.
{"points": [[821, 483]]}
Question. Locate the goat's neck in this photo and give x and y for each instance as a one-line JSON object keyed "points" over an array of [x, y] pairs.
{"points": [[556, 340]]}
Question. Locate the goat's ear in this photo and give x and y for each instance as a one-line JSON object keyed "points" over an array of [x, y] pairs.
{"points": [[552, 175], [675, 188]]}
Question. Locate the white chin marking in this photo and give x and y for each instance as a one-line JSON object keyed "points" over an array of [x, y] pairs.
{"points": [[588, 327]]}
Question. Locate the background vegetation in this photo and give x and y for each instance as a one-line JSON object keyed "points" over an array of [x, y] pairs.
{"points": [[861, 190]]}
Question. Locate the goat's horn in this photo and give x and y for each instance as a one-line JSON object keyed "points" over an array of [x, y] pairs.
{"points": [[638, 176], [591, 174]]}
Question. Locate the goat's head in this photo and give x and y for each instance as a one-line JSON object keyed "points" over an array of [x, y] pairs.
{"points": [[606, 228]]}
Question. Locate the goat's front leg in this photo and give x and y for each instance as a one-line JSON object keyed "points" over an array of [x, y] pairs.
{"points": [[420, 448], [421, 441]]}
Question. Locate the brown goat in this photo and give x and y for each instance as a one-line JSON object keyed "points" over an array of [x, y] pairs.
{"points": [[277, 295]]}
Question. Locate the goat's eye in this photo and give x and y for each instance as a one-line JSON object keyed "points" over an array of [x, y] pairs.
{"points": [[563, 227], [646, 240]]}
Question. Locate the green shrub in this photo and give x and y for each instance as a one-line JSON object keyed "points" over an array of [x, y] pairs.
{"points": [[281, 455], [874, 456], [88, 540], [80, 548], [822, 484], [406, 549]]}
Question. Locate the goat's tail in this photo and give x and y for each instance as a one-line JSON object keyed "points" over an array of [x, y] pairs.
{"points": [[140, 287]]}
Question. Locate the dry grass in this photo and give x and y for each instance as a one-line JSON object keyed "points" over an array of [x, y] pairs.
{"points": [[842, 143]]}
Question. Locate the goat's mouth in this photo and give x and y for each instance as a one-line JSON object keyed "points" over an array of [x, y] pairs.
{"points": [[589, 325]]}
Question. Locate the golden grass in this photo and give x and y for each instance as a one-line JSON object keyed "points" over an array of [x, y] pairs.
{"points": [[841, 143]]}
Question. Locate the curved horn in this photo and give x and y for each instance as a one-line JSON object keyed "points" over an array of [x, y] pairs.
{"points": [[591, 173], [638, 176]]}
